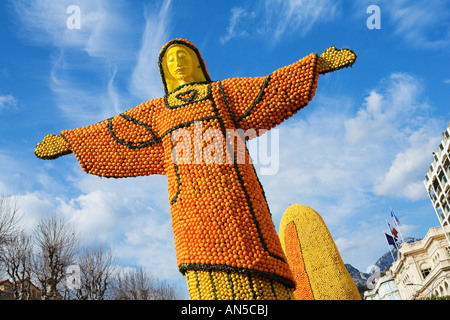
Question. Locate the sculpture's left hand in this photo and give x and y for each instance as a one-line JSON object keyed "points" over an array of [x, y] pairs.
{"points": [[333, 59]]}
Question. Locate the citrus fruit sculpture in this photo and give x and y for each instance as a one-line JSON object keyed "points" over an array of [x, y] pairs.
{"points": [[316, 264], [225, 240]]}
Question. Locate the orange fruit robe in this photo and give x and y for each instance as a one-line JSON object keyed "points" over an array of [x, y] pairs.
{"points": [[220, 217]]}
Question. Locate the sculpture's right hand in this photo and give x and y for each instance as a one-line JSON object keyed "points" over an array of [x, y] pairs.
{"points": [[51, 147]]}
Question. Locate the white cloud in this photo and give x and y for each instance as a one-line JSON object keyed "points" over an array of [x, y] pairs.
{"points": [[274, 18], [93, 215], [84, 102], [105, 33], [145, 80], [296, 15], [7, 101], [123, 204], [240, 21], [383, 114], [42, 22], [131, 215], [34, 207], [406, 173], [415, 22], [395, 118], [103, 29], [110, 31], [367, 121]]}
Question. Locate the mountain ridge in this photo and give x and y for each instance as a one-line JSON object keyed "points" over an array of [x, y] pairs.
{"points": [[383, 263]]}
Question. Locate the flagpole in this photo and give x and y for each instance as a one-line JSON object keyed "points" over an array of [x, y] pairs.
{"points": [[389, 247], [395, 222], [394, 238], [390, 229]]}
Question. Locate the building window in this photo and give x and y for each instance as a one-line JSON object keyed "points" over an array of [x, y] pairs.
{"points": [[440, 214], [425, 272], [442, 177], [433, 194], [447, 249]]}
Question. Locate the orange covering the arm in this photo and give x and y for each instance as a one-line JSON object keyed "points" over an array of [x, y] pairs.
{"points": [[265, 102], [118, 147]]}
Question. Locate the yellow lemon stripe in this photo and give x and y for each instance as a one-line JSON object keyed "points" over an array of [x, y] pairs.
{"points": [[223, 285], [328, 278]]}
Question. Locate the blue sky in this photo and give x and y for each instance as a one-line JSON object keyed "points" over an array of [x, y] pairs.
{"points": [[362, 145]]}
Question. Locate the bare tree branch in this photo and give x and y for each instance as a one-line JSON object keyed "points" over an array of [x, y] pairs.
{"points": [[96, 268], [17, 260], [141, 285], [9, 219], [57, 247]]}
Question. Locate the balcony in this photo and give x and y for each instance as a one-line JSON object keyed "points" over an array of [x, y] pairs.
{"points": [[439, 151], [437, 189], [442, 178], [446, 138], [433, 196], [435, 162], [440, 214], [430, 170]]}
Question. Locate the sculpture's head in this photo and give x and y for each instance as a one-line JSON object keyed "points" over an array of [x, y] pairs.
{"points": [[179, 63]]}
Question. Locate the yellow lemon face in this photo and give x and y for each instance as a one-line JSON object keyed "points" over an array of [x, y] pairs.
{"points": [[180, 64]]}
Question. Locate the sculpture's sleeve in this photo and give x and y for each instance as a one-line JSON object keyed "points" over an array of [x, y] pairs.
{"points": [[121, 146], [264, 102]]}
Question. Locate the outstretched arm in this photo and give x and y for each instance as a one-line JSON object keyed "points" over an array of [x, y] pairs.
{"points": [[122, 146], [264, 102]]}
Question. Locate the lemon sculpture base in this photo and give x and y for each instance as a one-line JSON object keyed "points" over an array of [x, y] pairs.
{"points": [[319, 271], [223, 285]]}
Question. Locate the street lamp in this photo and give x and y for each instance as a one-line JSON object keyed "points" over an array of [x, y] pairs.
{"points": [[416, 284], [432, 287]]}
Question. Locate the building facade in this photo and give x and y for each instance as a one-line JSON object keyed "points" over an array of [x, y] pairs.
{"points": [[384, 289], [422, 268], [437, 181], [7, 290]]}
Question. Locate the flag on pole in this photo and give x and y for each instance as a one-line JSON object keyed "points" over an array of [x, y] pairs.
{"points": [[391, 240], [394, 218], [393, 231]]}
